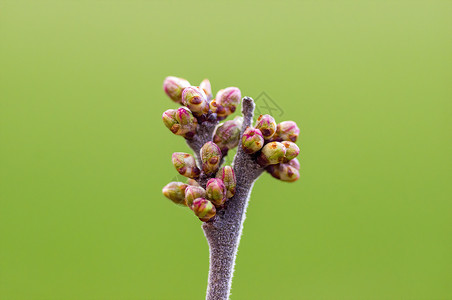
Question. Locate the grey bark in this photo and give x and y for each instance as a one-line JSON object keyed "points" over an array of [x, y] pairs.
{"points": [[223, 234]]}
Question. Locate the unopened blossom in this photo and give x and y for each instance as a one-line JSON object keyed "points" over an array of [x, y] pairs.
{"points": [[252, 140], [180, 121], [192, 193], [271, 154], [210, 157], [226, 101], [286, 131], [185, 164], [284, 172], [203, 209], [227, 175], [292, 150], [227, 134], [175, 191], [173, 87], [196, 100], [267, 125], [216, 191]]}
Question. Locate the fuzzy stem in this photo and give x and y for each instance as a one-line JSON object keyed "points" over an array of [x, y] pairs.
{"points": [[223, 234]]}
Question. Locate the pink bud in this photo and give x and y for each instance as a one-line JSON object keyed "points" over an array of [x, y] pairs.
{"points": [[292, 150], [252, 140], [286, 131], [271, 154], [192, 193], [216, 191], [175, 191], [227, 175], [210, 157], [227, 134], [173, 87], [284, 172], [185, 164], [203, 209], [196, 100], [267, 125]]}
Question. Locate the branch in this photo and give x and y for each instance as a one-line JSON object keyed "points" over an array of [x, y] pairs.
{"points": [[223, 234]]}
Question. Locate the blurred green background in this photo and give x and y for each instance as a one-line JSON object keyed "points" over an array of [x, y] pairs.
{"points": [[84, 154]]}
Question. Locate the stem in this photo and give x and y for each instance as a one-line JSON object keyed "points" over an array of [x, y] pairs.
{"points": [[223, 234]]}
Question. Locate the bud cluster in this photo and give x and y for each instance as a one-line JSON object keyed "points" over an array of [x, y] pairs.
{"points": [[209, 184], [273, 146], [204, 201], [199, 106]]}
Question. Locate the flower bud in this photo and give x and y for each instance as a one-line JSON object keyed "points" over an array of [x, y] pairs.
{"points": [[252, 140], [192, 193], [207, 88], [216, 191], [180, 122], [294, 163], [267, 125], [196, 100], [287, 131], [292, 150], [210, 157], [175, 191], [173, 87], [225, 102], [169, 119], [272, 153], [192, 182], [227, 175], [229, 98], [187, 122], [284, 172], [227, 135], [204, 209], [185, 164]]}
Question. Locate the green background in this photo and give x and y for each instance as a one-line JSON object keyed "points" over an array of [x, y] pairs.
{"points": [[84, 153]]}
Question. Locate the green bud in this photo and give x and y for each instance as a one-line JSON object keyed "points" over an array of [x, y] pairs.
{"points": [[192, 193], [173, 87], [286, 131], [185, 164], [252, 140], [210, 157], [267, 125], [227, 135], [175, 191], [227, 175], [284, 172], [292, 150], [204, 209], [272, 153], [196, 100], [207, 88], [216, 191]]}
